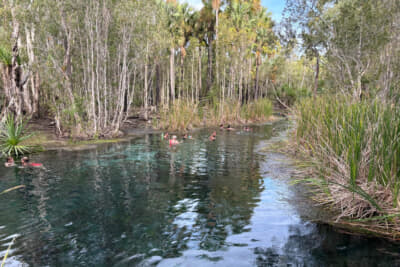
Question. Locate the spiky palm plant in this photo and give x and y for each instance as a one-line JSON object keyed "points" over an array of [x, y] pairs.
{"points": [[12, 136]]}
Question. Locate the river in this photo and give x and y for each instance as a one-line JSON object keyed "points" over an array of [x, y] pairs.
{"points": [[201, 203]]}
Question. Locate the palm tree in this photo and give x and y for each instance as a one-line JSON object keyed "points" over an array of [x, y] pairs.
{"points": [[206, 33], [216, 4], [264, 42], [186, 22], [176, 34], [180, 24]]}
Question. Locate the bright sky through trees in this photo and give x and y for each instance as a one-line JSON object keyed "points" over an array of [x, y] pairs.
{"points": [[273, 6]]}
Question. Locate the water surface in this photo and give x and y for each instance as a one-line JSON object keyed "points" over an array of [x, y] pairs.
{"points": [[142, 203]]}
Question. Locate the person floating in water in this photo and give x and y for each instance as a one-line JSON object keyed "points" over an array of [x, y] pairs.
{"points": [[25, 163], [247, 129], [213, 136], [187, 136], [173, 141], [9, 162], [229, 128], [221, 126]]}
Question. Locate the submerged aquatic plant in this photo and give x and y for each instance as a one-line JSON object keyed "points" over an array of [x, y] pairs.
{"points": [[12, 137]]}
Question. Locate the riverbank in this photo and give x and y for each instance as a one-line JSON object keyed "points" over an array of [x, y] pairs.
{"points": [[347, 153], [45, 132]]}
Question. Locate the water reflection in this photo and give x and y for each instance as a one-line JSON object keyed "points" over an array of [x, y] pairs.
{"points": [[142, 202]]}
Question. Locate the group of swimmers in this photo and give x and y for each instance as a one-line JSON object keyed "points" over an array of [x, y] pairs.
{"points": [[24, 162], [174, 140]]}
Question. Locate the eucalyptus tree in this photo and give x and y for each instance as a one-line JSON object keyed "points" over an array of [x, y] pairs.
{"points": [[306, 15], [14, 68], [242, 21], [356, 33], [175, 18]]}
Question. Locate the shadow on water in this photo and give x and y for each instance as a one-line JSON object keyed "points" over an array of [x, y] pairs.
{"points": [[144, 203]]}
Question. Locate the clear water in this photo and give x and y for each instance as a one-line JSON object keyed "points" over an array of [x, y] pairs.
{"points": [[222, 203]]}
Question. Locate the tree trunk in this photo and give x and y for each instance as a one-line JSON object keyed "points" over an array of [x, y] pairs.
{"points": [[316, 75], [158, 85], [258, 59], [200, 87], [209, 66], [172, 73], [216, 44], [145, 99], [15, 102]]}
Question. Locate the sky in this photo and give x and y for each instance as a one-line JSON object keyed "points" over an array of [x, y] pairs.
{"points": [[273, 6]]}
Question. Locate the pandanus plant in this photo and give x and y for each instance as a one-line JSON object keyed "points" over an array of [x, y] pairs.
{"points": [[12, 137]]}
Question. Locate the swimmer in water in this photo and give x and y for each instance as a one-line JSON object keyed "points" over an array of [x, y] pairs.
{"points": [[221, 126], [25, 163], [229, 128], [10, 162], [165, 135], [213, 136], [173, 141]]}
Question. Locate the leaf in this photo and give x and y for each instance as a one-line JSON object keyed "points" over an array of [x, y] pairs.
{"points": [[12, 189], [8, 250]]}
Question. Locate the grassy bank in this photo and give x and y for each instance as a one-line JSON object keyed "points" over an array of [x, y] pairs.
{"points": [[182, 116], [352, 150]]}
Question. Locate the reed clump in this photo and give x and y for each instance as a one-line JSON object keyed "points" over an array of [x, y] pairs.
{"points": [[258, 110], [181, 115], [354, 150], [185, 115]]}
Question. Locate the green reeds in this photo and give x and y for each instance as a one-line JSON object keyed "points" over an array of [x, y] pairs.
{"points": [[358, 143], [185, 115], [182, 115], [258, 110]]}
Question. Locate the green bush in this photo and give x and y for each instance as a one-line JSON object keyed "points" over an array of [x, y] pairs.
{"points": [[12, 136], [289, 95]]}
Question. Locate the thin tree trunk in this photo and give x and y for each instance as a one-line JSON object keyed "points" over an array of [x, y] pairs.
{"points": [[200, 88], [316, 79], [172, 73], [209, 66], [258, 59]]}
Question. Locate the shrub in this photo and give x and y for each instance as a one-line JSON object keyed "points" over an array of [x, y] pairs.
{"points": [[12, 136]]}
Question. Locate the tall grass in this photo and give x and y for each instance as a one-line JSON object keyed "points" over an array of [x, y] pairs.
{"points": [[358, 145], [184, 115], [181, 115], [258, 110]]}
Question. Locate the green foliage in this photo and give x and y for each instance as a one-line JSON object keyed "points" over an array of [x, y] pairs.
{"points": [[289, 94], [181, 115], [12, 137], [260, 109], [184, 115], [358, 141], [5, 56]]}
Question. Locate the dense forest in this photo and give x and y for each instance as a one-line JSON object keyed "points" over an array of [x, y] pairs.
{"points": [[88, 63]]}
